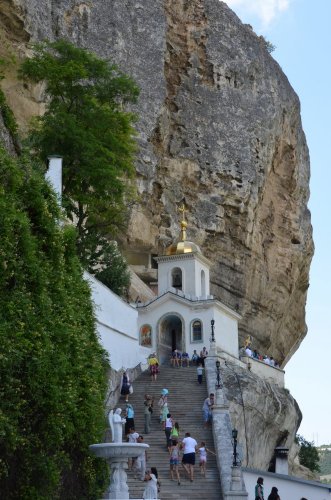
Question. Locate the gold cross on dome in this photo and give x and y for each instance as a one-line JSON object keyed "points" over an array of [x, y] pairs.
{"points": [[182, 209]]}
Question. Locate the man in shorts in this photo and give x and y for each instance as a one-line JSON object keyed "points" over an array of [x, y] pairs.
{"points": [[189, 447]]}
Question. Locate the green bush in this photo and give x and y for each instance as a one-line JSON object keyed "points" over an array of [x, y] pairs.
{"points": [[53, 370], [308, 454], [113, 269]]}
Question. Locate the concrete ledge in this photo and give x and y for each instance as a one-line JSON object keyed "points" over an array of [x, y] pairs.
{"points": [[270, 373]]}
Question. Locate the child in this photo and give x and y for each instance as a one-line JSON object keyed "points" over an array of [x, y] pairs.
{"points": [[199, 373], [175, 431], [203, 458], [174, 460]]}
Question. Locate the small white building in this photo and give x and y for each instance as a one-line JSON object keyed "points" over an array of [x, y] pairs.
{"points": [[180, 315]]}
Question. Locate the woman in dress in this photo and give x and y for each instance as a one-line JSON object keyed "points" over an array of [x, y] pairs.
{"points": [[150, 491], [125, 386], [163, 405], [148, 411]]}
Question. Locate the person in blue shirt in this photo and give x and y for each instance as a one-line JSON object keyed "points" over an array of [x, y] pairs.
{"points": [[129, 418]]}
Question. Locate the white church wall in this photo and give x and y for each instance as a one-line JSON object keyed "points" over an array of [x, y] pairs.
{"points": [[199, 268], [169, 307], [191, 268], [226, 329], [117, 327], [164, 275], [226, 332]]}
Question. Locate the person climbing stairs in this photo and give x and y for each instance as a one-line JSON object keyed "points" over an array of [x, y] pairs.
{"points": [[185, 400]]}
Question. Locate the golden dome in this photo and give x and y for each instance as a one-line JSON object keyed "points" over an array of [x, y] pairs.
{"points": [[182, 247]]}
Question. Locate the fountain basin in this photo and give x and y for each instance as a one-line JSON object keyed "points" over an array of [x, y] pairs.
{"points": [[115, 451]]}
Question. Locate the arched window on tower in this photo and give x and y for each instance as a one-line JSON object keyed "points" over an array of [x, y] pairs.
{"points": [[203, 284], [176, 278], [196, 331]]}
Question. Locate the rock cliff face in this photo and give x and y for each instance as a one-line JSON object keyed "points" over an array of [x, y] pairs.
{"points": [[265, 415], [219, 128]]}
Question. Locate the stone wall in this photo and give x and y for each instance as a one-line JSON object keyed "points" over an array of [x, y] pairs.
{"points": [[222, 433]]}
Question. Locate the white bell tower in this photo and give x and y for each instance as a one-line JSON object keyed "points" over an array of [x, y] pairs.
{"points": [[183, 268]]}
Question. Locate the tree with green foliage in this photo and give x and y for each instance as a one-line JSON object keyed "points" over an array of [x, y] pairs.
{"points": [[324, 453], [113, 269], [86, 123], [53, 369], [308, 454]]}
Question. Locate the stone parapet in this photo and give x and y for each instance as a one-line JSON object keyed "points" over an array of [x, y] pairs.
{"points": [[233, 486], [270, 373]]}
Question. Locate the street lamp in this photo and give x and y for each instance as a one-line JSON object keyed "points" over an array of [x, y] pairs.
{"points": [[218, 375], [212, 330], [235, 454]]}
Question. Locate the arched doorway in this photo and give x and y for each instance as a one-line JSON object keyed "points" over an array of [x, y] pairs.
{"points": [[170, 336]]}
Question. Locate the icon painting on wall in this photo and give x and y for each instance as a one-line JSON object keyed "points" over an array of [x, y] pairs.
{"points": [[146, 336]]}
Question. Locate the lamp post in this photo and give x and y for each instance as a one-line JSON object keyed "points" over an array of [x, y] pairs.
{"points": [[218, 375], [212, 330], [234, 437]]}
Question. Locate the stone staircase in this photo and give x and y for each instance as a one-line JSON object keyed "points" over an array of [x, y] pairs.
{"points": [[185, 401]]}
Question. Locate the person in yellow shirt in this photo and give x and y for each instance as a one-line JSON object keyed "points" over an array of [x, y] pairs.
{"points": [[153, 366]]}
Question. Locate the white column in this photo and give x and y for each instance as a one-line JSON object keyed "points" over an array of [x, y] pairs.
{"points": [[54, 174]]}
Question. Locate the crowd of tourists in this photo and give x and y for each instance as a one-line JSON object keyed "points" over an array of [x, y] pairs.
{"points": [[265, 358], [180, 359], [182, 450]]}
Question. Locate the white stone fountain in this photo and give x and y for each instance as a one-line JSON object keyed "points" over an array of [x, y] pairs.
{"points": [[117, 454]]}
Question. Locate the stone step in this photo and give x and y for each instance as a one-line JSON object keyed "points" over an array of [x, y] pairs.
{"points": [[185, 402]]}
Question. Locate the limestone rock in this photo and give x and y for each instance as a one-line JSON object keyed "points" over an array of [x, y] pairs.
{"points": [[265, 415], [220, 128]]}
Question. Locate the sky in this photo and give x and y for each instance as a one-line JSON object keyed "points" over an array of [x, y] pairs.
{"points": [[300, 30]]}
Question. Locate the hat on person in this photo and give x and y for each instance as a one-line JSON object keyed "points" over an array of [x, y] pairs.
{"points": [[164, 392]]}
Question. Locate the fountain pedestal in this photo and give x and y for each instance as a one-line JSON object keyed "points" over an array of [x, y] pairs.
{"points": [[118, 487], [117, 455]]}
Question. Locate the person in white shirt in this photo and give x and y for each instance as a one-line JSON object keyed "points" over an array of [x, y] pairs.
{"points": [[189, 447], [207, 409], [248, 352], [132, 438], [140, 462]]}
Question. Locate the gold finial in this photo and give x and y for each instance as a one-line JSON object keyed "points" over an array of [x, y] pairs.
{"points": [[183, 223]]}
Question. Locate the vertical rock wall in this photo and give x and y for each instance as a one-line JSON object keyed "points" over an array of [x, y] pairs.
{"points": [[220, 128]]}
